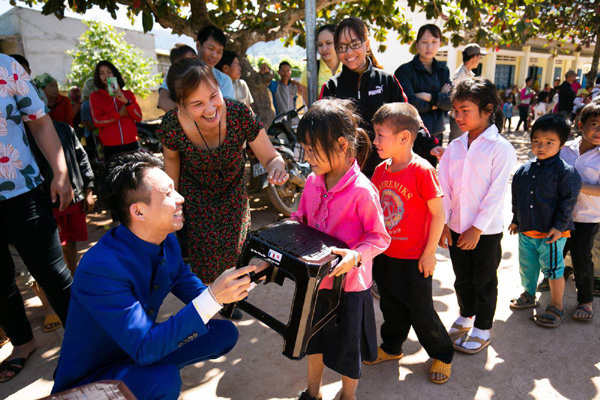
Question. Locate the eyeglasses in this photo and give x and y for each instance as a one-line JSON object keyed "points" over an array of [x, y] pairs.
{"points": [[354, 45]]}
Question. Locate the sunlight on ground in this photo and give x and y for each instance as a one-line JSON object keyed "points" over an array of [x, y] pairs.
{"points": [[484, 393], [208, 389], [543, 389], [492, 359]]}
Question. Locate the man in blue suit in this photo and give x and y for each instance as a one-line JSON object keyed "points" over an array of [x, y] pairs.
{"points": [[121, 282]]}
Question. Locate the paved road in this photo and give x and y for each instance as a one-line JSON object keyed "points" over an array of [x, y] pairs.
{"points": [[524, 361]]}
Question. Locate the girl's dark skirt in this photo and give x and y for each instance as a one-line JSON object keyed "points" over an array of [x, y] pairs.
{"points": [[354, 339]]}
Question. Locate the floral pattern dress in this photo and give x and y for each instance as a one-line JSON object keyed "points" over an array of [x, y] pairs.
{"points": [[216, 203], [19, 103]]}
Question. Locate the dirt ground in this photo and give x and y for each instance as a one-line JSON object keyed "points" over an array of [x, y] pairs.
{"points": [[524, 360]]}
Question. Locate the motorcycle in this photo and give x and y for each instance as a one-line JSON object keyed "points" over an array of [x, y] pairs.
{"points": [[282, 134]]}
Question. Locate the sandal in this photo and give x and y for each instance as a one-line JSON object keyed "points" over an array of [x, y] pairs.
{"points": [[303, 395], [4, 340], [15, 366], [553, 315], [383, 356], [588, 311], [596, 286], [525, 300], [472, 339], [544, 286], [459, 332], [51, 323], [442, 368]]}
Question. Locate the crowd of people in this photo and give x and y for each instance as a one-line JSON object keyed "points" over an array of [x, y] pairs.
{"points": [[374, 185]]}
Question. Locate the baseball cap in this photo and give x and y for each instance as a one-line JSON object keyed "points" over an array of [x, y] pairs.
{"points": [[473, 49]]}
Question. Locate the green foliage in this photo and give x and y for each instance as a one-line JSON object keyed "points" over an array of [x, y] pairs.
{"points": [[297, 66], [103, 42]]}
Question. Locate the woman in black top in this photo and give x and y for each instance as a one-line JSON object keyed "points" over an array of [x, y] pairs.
{"points": [[363, 81], [426, 81]]}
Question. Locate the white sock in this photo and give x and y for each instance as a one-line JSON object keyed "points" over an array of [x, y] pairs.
{"points": [[483, 334], [465, 322]]}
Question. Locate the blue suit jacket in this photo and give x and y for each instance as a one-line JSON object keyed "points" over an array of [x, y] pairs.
{"points": [[118, 289]]}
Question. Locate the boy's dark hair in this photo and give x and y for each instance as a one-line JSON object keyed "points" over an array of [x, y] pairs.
{"points": [[211, 31], [281, 64], [329, 119], [592, 109], [185, 76], [115, 72], [482, 92], [122, 183], [179, 51], [399, 116], [21, 60], [529, 78], [226, 59], [552, 123], [543, 97]]}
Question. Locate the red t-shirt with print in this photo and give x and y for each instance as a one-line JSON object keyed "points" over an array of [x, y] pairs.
{"points": [[404, 196]]}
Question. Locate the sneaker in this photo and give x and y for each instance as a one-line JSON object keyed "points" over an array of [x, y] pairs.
{"points": [[383, 356], [375, 291]]}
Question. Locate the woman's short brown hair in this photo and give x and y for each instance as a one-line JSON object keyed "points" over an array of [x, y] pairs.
{"points": [[185, 76]]}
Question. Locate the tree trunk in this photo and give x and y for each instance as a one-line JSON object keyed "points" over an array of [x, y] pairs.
{"points": [[258, 84], [591, 76]]}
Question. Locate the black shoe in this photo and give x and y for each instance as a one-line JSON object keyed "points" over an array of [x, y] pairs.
{"points": [[568, 272], [236, 315]]}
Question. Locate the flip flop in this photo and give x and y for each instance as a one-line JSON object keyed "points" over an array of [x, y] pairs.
{"points": [[472, 339], [4, 341], [15, 366], [460, 332], [587, 310], [556, 318], [440, 367], [51, 323]]}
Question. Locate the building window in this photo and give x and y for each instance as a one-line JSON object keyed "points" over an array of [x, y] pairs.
{"points": [[504, 76], [537, 74], [558, 72]]}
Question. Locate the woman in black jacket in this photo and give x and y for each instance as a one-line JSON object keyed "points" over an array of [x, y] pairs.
{"points": [[363, 81], [426, 82]]}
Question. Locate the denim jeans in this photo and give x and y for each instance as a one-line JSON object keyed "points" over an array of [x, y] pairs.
{"points": [[27, 222]]}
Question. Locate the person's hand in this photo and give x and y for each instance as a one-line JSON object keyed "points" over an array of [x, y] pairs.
{"points": [[264, 69], [513, 229], [120, 96], [469, 239], [427, 263], [60, 189], [447, 88], [424, 96], [88, 206], [232, 285], [350, 259], [553, 235], [446, 238], [123, 111], [277, 175], [437, 152]]}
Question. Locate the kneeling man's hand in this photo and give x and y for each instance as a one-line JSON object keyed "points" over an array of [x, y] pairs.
{"points": [[232, 285]]}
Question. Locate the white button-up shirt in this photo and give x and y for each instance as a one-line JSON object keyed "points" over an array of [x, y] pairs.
{"points": [[587, 165], [474, 181]]}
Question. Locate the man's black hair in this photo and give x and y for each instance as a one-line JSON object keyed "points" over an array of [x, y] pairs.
{"points": [[552, 123], [21, 60], [122, 183], [211, 31], [227, 59], [281, 64]]}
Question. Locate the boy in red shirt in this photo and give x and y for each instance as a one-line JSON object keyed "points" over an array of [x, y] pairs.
{"points": [[411, 198]]}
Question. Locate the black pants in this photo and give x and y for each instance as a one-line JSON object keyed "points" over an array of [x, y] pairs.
{"points": [[523, 112], [476, 281], [111, 151], [27, 222], [580, 244], [406, 301]]}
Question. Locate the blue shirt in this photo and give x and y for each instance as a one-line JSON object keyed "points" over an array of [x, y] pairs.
{"points": [[223, 80], [19, 102], [118, 288], [544, 193]]}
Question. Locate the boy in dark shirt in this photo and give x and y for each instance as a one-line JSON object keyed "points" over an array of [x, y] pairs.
{"points": [[544, 193]]}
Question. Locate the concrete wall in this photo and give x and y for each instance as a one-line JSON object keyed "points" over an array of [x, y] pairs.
{"points": [[45, 40]]}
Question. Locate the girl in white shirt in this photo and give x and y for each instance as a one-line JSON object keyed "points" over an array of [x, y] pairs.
{"points": [[474, 174]]}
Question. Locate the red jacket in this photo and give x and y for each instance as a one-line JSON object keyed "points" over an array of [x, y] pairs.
{"points": [[115, 130]]}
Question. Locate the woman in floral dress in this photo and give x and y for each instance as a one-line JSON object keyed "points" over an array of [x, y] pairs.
{"points": [[204, 155]]}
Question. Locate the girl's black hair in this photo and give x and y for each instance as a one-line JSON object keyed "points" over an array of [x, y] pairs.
{"points": [[328, 120], [543, 97], [327, 27], [114, 70], [482, 92], [359, 28]]}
